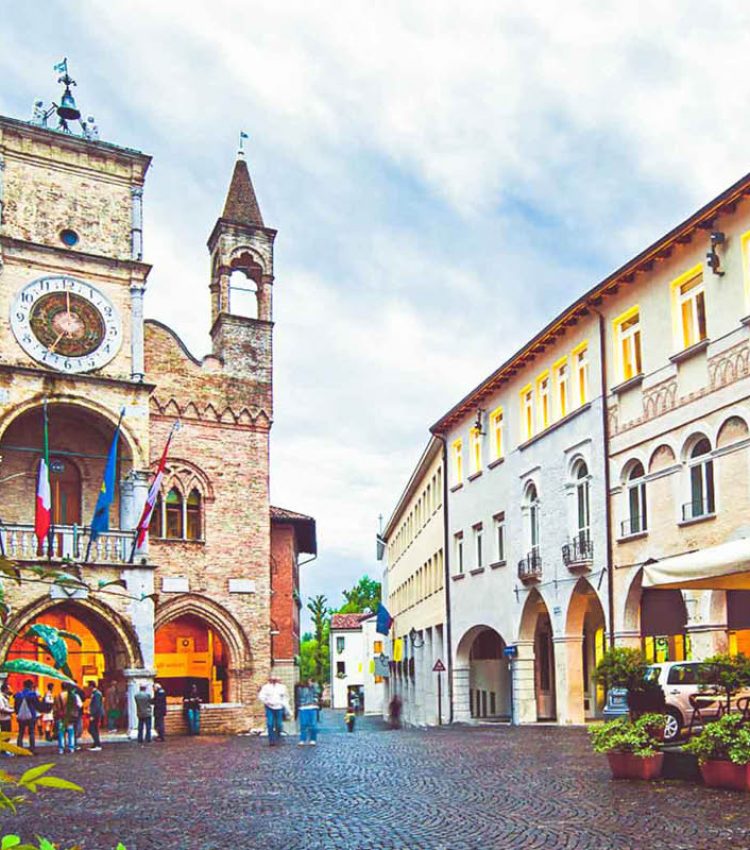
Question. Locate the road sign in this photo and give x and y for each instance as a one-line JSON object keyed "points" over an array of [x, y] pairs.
{"points": [[510, 651], [438, 667]]}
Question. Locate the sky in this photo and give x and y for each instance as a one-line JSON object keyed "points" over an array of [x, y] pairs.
{"points": [[444, 178]]}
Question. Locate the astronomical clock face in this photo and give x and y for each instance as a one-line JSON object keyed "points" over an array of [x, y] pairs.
{"points": [[66, 324]]}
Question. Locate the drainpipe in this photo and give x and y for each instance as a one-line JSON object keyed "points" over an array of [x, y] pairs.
{"points": [[607, 503], [447, 579]]}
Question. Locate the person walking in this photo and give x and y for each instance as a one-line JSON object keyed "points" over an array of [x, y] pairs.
{"points": [[144, 710], [191, 705], [96, 714], [308, 714], [27, 706], [47, 715], [274, 697], [160, 711], [6, 708], [66, 710]]}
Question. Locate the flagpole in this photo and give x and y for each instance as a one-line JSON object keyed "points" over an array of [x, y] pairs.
{"points": [[117, 429]]}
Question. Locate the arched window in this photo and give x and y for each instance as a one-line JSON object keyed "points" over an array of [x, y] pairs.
{"points": [[193, 519], [532, 504], [583, 509], [156, 526], [243, 295], [701, 481], [637, 513], [174, 514]]}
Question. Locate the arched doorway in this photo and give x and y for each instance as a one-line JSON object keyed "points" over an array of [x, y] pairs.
{"points": [[536, 627], [108, 645], [664, 625], [585, 619], [480, 656], [188, 651]]}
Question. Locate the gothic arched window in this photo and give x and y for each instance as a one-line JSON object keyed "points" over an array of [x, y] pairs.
{"points": [[156, 526], [193, 518], [174, 514]]}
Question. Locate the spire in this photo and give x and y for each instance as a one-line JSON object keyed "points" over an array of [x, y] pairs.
{"points": [[241, 205]]}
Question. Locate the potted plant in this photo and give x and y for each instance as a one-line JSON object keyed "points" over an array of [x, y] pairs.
{"points": [[727, 673], [723, 751], [625, 669], [631, 746]]}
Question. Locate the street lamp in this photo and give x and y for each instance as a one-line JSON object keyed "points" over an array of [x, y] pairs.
{"points": [[416, 641]]}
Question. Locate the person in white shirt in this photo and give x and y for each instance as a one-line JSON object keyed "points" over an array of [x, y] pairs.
{"points": [[274, 697]]}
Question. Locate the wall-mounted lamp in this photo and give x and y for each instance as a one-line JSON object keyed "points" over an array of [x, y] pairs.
{"points": [[479, 421], [416, 641], [712, 258]]}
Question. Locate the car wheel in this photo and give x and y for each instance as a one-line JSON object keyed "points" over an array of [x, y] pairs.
{"points": [[673, 726]]}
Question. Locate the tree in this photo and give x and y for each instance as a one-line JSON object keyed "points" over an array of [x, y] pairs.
{"points": [[320, 613], [363, 597]]}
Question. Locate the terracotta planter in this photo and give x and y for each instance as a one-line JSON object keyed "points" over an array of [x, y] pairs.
{"points": [[628, 766], [725, 774]]}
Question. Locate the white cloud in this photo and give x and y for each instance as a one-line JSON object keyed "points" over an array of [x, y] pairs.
{"points": [[444, 180]]}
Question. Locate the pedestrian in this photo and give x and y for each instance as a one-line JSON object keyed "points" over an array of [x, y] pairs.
{"points": [[27, 705], [66, 710], [394, 710], [96, 714], [349, 719], [144, 710], [160, 711], [191, 705], [308, 714], [81, 694], [274, 697], [6, 708], [47, 716], [112, 703]]}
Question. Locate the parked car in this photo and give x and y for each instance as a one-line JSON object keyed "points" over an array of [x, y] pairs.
{"points": [[679, 681]]}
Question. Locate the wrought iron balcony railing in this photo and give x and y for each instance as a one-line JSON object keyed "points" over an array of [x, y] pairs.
{"points": [[68, 541], [634, 524], [579, 551], [697, 508], [530, 567]]}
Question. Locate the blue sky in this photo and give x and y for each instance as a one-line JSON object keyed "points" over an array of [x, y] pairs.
{"points": [[444, 180]]}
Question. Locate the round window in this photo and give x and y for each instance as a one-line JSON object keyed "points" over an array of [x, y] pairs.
{"points": [[69, 237]]}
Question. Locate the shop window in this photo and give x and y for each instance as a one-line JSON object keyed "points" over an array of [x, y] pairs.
{"points": [[174, 514], [193, 516]]}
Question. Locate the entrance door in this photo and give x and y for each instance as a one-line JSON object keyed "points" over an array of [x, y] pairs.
{"points": [[544, 669], [65, 482]]}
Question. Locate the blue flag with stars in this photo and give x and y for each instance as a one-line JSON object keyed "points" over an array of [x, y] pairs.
{"points": [[100, 522], [384, 620]]}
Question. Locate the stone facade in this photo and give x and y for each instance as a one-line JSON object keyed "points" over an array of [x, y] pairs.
{"points": [[214, 557]]}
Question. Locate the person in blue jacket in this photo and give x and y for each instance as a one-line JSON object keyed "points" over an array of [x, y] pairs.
{"points": [[27, 706]]}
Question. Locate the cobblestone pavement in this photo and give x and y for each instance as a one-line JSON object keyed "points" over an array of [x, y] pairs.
{"points": [[445, 789]]}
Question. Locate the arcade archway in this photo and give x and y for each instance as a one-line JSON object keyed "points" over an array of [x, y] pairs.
{"points": [[585, 619], [536, 627]]}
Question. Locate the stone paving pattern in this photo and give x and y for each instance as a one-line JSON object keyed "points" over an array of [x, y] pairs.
{"points": [[443, 789]]}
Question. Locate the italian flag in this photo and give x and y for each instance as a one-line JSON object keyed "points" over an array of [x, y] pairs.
{"points": [[153, 495], [43, 511]]}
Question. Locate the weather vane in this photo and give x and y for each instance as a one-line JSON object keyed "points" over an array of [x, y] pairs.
{"points": [[66, 110], [241, 147]]}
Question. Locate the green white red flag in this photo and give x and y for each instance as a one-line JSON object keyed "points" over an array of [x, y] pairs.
{"points": [[153, 494], [43, 509]]}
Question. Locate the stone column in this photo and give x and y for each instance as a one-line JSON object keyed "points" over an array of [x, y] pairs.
{"points": [[136, 223], [139, 583], [524, 684], [569, 679], [135, 677], [133, 492], [137, 368], [461, 704], [265, 290], [707, 639]]}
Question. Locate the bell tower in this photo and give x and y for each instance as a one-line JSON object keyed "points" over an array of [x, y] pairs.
{"points": [[241, 248]]}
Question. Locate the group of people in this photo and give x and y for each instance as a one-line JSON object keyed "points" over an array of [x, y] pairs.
{"points": [[55, 716], [275, 699], [61, 716]]}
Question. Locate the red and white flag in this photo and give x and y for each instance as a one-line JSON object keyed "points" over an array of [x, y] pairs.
{"points": [[43, 507], [153, 494]]}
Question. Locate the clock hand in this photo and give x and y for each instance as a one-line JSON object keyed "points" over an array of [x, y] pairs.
{"points": [[54, 344], [67, 302]]}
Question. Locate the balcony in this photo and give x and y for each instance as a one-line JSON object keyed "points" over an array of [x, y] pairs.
{"points": [[635, 524], [698, 509], [68, 542], [578, 553], [530, 567]]}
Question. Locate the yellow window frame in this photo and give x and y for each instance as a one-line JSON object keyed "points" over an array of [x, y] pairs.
{"points": [[556, 366], [582, 346], [674, 290], [497, 436], [617, 324], [475, 449], [527, 426], [745, 248], [544, 420], [458, 460]]}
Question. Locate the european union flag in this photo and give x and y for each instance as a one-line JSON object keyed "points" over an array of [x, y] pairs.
{"points": [[384, 620], [100, 522]]}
